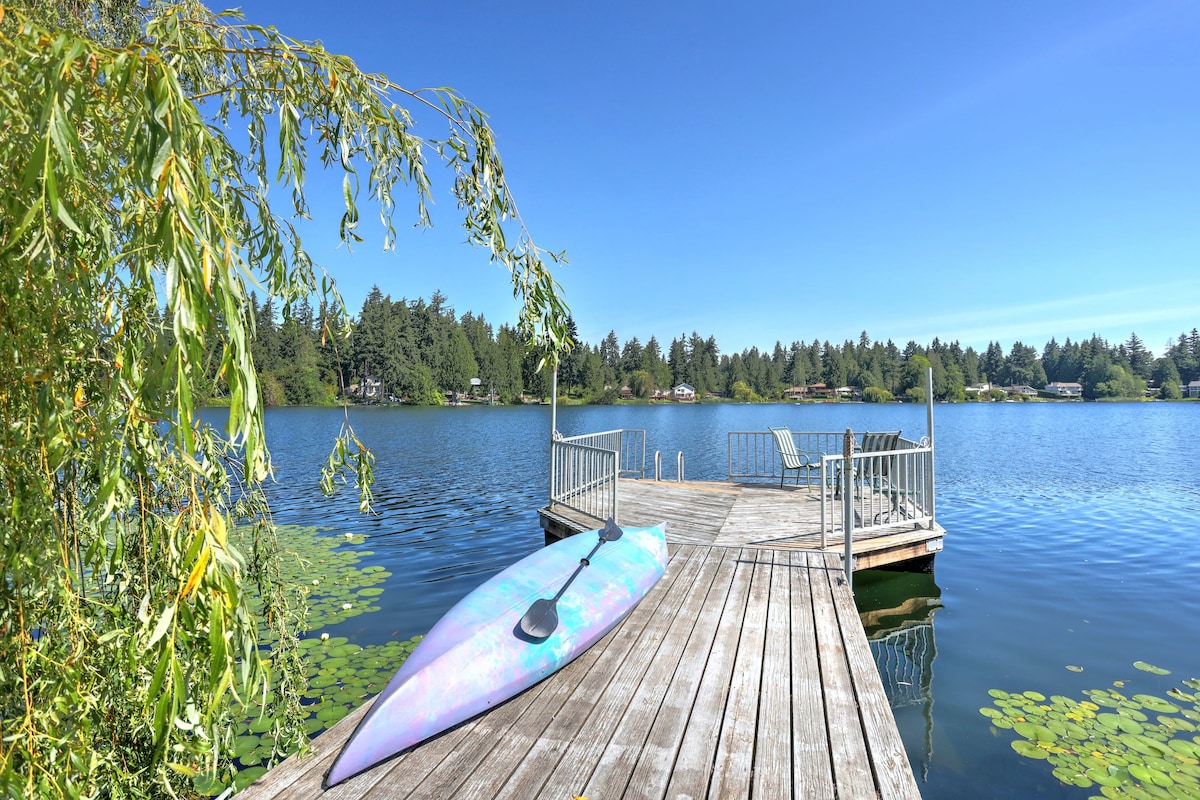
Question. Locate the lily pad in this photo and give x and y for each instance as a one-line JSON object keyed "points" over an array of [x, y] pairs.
{"points": [[1030, 750], [247, 776], [1153, 670], [242, 745], [1156, 704]]}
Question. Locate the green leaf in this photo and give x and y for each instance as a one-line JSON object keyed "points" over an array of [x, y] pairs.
{"points": [[160, 629]]}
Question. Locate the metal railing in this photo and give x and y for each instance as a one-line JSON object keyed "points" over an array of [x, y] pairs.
{"points": [[887, 489], [629, 444], [753, 455], [584, 470]]}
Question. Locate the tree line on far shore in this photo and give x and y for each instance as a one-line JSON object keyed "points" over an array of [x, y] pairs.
{"points": [[422, 352]]}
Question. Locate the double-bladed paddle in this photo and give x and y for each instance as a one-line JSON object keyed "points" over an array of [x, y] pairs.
{"points": [[542, 617]]}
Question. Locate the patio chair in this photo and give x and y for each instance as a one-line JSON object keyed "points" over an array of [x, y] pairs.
{"points": [[876, 474], [793, 459]]}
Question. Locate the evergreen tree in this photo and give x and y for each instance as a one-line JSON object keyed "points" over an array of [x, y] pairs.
{"points": [[458, 363], [1022, 367], [631, 360], [1139, 359], [833, 367], [571, 363], [892, 367], [1051, 354], [483, 347], [992, 364], [677, 360], [610, 356], [508, 377], [653, 363]]}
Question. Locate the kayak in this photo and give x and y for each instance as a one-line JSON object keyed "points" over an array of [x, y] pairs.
{"points": [[505, 636]]}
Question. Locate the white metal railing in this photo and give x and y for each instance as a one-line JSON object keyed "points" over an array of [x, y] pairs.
{"points": [[629, 444], [753, 455], [584, 470], [888, 488]]}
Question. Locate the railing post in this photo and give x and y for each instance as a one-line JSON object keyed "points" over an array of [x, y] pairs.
{"points": [[679, 467], [658, 465], [929, 418], [848, 505], [825, 465]]}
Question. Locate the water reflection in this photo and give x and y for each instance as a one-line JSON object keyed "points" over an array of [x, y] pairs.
{"points": [[896, 609]]}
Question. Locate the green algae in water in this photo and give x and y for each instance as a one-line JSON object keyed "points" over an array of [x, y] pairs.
{"points": [[1136, 746]]}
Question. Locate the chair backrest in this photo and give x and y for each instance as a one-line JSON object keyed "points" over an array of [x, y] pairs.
{"points": [[787, 447], [878, 443]]}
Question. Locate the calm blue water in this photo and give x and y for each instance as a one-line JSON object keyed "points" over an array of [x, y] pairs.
{"points": [[1071, 539]]}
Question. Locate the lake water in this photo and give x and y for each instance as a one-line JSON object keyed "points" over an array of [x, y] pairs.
{"points": [[1071, 540]]}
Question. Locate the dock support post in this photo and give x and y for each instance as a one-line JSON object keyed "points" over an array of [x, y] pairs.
{"points": [[848, 505]]}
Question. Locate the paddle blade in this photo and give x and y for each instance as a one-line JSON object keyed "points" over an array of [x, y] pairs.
{"points": [[612, 531], [540, 620]]}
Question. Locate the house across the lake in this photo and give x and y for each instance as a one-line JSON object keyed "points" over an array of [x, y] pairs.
{"points": [[1193, 389], [684, 393], [371, 388], [1021, 391], [1063, 389]]}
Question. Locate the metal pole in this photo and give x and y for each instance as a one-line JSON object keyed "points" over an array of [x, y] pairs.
{"points": [[553, 427], [929, 425], [848, 506]]}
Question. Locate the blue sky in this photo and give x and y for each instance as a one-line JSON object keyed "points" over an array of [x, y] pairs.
{"points": [[983, 171]]}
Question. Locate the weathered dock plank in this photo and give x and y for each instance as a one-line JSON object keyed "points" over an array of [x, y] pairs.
{"points": [[745, 672], [811, 759]]}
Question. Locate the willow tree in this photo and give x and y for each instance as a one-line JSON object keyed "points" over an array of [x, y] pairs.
{"points": [[133, 226]]}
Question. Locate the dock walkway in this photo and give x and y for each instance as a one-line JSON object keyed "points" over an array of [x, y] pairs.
{"points": [[744, 673]]}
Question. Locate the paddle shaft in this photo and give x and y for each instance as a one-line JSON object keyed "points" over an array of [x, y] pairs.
{"points": [[583, 562], [542, 617]]}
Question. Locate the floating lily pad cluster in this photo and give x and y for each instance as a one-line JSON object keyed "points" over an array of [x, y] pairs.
{"points": [[327, 575], [341, 675], [1128, 745]]}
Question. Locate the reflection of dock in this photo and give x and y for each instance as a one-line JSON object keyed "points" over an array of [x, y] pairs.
{"points": [[901, 636], [744, 673], [748, 515]]}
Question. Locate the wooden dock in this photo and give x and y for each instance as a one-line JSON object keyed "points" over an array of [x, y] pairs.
{"points": [[748, 515], [744, 673]]}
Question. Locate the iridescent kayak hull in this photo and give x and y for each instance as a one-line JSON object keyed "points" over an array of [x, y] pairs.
{"points": [[477, 656]]}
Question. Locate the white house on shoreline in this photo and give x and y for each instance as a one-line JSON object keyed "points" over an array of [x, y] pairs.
{"points": [[1063, 389], [684, 393]]}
